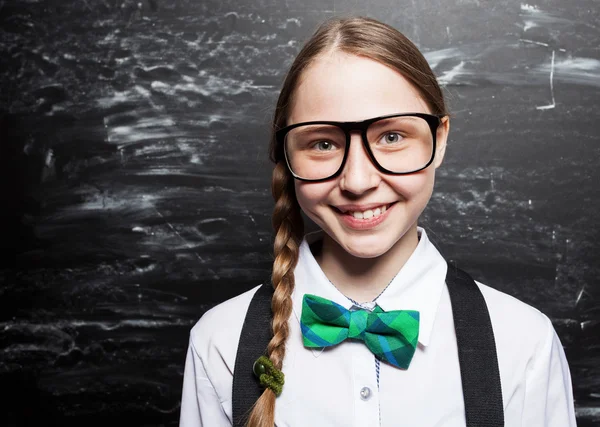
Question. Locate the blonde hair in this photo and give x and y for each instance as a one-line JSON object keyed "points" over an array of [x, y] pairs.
{"points": [[357, 36]]}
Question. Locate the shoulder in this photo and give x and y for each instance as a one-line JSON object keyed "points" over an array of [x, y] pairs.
{"points": [[218, 331], [522, 332], [507, 312], [535, 378]]}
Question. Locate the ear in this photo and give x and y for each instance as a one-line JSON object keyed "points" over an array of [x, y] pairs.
{"points": [[440, 141]]}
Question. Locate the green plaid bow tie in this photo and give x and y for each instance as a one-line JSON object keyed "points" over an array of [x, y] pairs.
{"points": [[392, 336]]}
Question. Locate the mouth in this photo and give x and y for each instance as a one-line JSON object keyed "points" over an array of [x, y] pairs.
{"points": [[366, 214]]}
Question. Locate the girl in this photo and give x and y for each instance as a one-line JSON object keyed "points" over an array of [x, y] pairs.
{"points": [[359, 130]]}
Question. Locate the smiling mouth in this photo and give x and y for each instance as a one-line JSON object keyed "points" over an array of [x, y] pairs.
{"points": [[367, 214]]}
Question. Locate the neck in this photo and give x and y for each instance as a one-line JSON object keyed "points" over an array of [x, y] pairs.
{"points": [[363, 279]]}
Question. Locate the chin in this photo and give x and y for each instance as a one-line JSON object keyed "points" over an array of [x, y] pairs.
{"points": [[369, 247], [366, 253]]}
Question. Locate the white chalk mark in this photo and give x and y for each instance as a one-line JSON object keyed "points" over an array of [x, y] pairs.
{"points": [[581, 65], [550, 106], [528, 25], [529, 8], [187, 244], [534, 42], [581, 292], [435, 57], [575, 70], [450, 75]]}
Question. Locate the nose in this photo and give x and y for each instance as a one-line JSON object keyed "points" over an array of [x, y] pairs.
{"points": [[359, 174]]}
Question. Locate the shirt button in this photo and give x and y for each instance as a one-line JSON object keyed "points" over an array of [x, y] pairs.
{"points": [[365, 393]]}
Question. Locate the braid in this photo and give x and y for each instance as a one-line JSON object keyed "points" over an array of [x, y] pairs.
{"points": [[289, 228]]}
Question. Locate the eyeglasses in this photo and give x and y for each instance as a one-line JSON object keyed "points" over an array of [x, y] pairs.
{"points": [[397, 144]]}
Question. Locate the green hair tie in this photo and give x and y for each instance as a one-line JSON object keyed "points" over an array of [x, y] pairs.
{"points": [[268, 374]]}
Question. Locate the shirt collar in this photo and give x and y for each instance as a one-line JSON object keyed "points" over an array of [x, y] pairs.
{"points": [[417, 286]]}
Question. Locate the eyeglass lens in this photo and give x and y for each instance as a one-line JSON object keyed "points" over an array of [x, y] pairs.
{"points": [[398, 144]]}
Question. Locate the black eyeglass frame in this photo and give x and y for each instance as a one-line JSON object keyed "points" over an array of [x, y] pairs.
{"points": [[433, 120]]}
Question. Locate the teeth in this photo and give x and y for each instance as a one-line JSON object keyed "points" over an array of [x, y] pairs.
{"points": [[369, 213]]}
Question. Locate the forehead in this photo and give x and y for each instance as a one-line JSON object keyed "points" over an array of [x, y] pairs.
{"points": [[342, 87]]}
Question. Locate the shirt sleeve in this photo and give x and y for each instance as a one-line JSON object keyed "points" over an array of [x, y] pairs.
{"points": [[200, 404], [549, 393]]}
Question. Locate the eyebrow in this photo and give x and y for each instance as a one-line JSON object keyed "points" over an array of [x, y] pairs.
{"points": [[384, 122], [318, 128]]}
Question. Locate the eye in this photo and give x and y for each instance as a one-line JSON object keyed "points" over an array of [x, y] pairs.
{"points": [[391, 138], [324, 146]]}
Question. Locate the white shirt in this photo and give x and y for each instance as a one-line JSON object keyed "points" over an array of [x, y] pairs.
{"points": [[323, 387]]}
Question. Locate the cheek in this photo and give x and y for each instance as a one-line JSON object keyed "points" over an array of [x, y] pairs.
{"points": [[310, 195], [417, 186]]}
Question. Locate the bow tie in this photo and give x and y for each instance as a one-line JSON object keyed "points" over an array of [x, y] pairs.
{"points": [[390, 335]]}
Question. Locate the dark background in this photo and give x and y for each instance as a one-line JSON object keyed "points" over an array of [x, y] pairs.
{"points": [[135, 180]]}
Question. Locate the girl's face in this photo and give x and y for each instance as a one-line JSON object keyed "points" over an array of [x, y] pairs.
{"points": [[343, 87]]}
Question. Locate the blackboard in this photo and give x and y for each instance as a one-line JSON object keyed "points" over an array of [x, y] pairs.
{"points": [[135, 180]]}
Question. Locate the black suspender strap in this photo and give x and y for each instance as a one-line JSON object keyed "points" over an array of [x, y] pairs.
{"points": [[480, 375], [479, 371], [255, 336]]}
